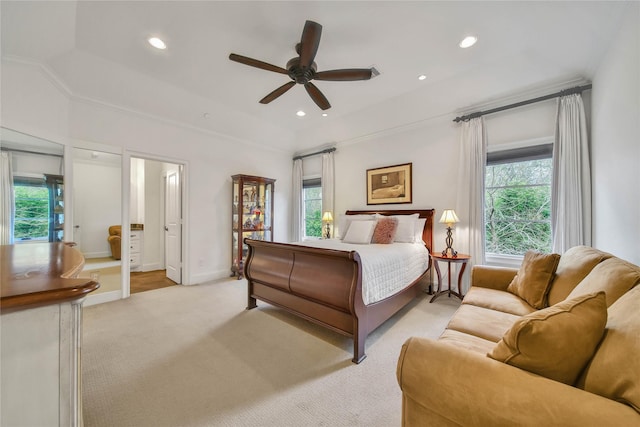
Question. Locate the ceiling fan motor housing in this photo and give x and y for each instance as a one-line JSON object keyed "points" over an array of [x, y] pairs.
{"points": [[301, 75]]}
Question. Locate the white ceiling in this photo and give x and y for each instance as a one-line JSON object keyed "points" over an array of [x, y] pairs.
{"points": [[99, 51]]}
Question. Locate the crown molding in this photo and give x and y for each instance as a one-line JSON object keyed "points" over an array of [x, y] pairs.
{"points": [[73, 97]]}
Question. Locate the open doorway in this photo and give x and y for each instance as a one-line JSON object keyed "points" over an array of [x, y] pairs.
{"points": [[155, 245]]}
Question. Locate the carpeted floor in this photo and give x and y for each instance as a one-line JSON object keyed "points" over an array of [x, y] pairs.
{"points": [[193, 356]]}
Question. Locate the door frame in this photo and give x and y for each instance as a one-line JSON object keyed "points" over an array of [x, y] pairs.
{"points": [[126, 217]]}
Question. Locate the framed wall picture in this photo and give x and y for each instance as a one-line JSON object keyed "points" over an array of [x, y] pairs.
{"points": [[388, 185]]}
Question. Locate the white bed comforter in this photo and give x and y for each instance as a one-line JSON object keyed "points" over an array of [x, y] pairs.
{"points": [[386, 269]]}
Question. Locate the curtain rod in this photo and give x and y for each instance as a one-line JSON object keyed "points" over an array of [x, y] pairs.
{"points": [[13, 150], [328, 150], [577, 89]]}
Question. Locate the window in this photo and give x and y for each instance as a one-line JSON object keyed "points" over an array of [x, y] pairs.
{"points": [[31, 209], [312, 200], [518, 200]]}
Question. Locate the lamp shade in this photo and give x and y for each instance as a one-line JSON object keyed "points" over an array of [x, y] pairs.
{"points": [[449, 217], [327, 216]]}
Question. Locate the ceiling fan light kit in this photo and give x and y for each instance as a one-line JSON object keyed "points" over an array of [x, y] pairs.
{"points": [[302, 69]]}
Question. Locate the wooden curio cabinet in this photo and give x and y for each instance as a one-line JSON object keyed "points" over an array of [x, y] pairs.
{"points": [[252, 216], [55, 184]]}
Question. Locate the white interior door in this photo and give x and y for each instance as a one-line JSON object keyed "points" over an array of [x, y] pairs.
{"points": [[173, 226]]}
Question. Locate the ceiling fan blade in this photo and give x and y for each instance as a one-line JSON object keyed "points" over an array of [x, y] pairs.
{"points": [[309, 43], [347, 74], [317, 96], [276, 93], [258, 64]]}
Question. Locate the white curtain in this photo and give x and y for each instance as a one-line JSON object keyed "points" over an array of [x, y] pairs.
{"points": [[328, 183], [6, 199], [470, 231], [571, 189], [298, 209]]}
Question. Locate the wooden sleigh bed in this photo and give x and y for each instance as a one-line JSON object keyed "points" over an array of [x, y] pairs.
{"points": [[325, 286]]}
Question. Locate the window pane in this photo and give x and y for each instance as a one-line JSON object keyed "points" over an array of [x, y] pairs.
{"points": [[31, 212], [518, 207], [312, 211]]}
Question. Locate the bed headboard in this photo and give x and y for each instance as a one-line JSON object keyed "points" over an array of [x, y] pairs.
{"points": [[427, 232]]}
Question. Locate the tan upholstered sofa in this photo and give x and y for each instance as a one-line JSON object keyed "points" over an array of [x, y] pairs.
{"points": [[115, 241], [457, 381]]}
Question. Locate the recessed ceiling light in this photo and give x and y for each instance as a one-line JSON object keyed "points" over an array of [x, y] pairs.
{"points": [[468, 42], [157, 43], [422, 77], [301, 113]]}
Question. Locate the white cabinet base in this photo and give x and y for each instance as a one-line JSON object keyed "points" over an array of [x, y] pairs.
{"points": [[40, 356]]}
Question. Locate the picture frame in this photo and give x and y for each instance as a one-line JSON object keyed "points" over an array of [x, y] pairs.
{"points": [[389, 185]]}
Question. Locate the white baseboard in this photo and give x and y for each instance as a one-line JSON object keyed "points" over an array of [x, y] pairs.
{"points": [[209, 276], [96, 254], [152, 266], [102, 298]]}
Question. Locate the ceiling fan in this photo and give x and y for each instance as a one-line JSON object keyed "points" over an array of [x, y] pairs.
{"points": [[302, 69]]}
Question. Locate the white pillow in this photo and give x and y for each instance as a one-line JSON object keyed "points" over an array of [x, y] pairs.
{"points": [[360, 232], [406, 228], [345, 220], [419, 226]]}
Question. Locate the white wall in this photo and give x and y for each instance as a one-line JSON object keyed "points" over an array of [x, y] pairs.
{"points": [[34, 103], [210, 161], [27, 164], [616, 144], [96, 205], [433, 151]]}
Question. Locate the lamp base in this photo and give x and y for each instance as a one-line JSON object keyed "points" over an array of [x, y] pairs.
{"points": [[327, 233], [449, 252]]}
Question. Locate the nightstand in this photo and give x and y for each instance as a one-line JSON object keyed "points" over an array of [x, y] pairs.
{"points": [[437, 257]]}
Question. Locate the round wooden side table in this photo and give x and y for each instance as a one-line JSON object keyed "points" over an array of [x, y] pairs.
{"points": [[457, 259]]}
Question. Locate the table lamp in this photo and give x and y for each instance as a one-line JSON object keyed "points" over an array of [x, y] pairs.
{"points": [[327, 218], [449, 217]]}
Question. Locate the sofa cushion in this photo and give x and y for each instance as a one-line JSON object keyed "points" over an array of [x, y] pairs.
{"points": [[482, 322], [497, 300], [556, 342], [574, 266], [614, 276], [614, 370], [466, 341], [534, 278]]}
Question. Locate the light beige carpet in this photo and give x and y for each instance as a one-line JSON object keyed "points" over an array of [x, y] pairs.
{"points": [[193, 356]]}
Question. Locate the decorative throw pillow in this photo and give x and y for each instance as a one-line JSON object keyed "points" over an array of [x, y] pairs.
{"points": [[556, 342], [385, 231], [360, 232], [534, 278]]}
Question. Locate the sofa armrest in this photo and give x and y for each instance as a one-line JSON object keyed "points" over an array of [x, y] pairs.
{"points": [[471, 389], [491, 277]]}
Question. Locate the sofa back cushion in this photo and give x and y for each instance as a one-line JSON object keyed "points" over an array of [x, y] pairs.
{"points": [[614, 276], [556, 342], [534, 278], [614, 370], [574, 266]]}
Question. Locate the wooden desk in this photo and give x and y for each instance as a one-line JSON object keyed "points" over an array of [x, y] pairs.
{"points": [[41, 334], [459, 259]]}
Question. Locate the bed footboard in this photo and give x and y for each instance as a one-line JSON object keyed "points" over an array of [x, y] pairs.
{"points": [[320, 285]]}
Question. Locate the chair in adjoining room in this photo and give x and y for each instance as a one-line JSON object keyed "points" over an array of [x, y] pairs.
{"points": [[115, 239]]}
